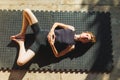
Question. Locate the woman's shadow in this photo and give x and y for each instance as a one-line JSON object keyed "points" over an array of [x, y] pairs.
{"points": [[45, 56]]}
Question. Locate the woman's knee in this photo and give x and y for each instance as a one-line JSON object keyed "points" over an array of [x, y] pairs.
{"points": [[31, 16], [26, 11], [20, 62]]}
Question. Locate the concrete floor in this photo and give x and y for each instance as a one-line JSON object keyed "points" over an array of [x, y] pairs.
{"points": [[70, 5]]}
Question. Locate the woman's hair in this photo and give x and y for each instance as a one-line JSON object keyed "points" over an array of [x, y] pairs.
{"points": [[93, 38]]}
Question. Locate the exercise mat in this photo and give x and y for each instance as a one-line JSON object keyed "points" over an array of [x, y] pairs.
{"points": [[95, 57]]}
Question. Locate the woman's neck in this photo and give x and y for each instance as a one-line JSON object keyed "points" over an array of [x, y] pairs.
{"points": [[76, 36]]}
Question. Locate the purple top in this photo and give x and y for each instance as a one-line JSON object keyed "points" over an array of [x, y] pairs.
{"points": [[65, 36]]}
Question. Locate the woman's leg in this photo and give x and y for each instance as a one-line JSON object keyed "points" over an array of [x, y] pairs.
{"points": [[25, 56], [28, 19]]}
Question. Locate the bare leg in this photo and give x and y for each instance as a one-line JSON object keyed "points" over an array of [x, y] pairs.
{"points": [[24, 56], [28, 19]]}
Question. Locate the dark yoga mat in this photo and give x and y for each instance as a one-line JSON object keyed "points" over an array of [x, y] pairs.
{"points": [[86, 57]]}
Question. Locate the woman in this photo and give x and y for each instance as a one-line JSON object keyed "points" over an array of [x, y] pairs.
{"points": [[64, 35]]}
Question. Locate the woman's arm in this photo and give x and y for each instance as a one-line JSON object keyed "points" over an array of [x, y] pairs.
{"points": [[67, 50], [61, 25], [51, 34], [51, 39], [62, 53]]}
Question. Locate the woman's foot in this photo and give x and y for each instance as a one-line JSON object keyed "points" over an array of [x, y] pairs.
{"points": [[18, 37], [19, 41]]}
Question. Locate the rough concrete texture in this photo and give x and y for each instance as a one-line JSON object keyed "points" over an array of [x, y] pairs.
{"points": [[70, 5]]}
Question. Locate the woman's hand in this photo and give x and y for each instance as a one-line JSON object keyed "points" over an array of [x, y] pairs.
{"points": [[51, 37]]}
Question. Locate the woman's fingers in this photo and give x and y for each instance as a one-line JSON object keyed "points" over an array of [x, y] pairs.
{"points": [[51, 37]]}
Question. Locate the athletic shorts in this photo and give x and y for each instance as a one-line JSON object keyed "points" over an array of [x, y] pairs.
{"points": [[40, 38]]}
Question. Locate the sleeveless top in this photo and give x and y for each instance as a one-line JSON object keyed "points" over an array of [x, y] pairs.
{"points": [[65, 36]]}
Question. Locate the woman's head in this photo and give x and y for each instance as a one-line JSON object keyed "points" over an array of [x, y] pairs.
{"points": [[86, 37]]}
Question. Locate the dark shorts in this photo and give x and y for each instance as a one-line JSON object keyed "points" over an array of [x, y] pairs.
{"points": [[40, 38]]}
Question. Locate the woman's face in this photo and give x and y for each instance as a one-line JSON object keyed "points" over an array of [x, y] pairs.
{"points": [[85, 37]]}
